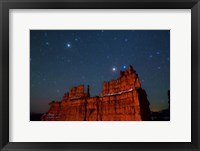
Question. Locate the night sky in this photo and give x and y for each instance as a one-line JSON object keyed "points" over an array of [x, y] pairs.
{"points": [[61, 59]]}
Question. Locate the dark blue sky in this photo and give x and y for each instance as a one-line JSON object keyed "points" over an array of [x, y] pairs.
{"points": [[61, 59]]}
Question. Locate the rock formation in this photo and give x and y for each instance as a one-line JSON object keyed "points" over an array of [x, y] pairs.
{"points": [[120, 100]]}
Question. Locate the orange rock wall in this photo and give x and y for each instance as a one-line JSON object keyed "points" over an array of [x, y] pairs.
{"points": [[121, 100], [77, 92], [127, 80]]}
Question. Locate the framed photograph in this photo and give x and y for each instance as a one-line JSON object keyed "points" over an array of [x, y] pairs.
{"points": [[99, 75]]}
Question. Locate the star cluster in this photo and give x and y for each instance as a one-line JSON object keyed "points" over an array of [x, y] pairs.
{"points": [[61, 59]]}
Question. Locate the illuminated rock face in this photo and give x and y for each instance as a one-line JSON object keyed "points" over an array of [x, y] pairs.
{"points": [[121, 100]]}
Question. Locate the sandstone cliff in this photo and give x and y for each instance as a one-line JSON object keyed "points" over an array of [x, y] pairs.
{"points": [[120, 100]]}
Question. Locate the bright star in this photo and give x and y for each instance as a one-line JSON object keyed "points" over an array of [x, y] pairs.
{"points": [[114, 69], [124, 67], [68, 45], [47, 43]]}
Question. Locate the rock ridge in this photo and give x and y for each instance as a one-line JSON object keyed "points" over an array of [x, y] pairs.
{"points": [[122, 99]]}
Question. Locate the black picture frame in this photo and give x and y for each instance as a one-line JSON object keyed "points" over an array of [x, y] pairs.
{"points": [[5, 5]]}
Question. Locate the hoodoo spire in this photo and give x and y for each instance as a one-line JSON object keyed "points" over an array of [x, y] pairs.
{"points": [[130, 69]]}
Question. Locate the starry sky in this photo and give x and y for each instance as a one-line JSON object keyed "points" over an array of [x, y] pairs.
{"points": [[61, 59]]}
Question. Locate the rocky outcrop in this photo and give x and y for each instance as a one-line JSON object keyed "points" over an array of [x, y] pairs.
{"points": [[120, 100]]}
